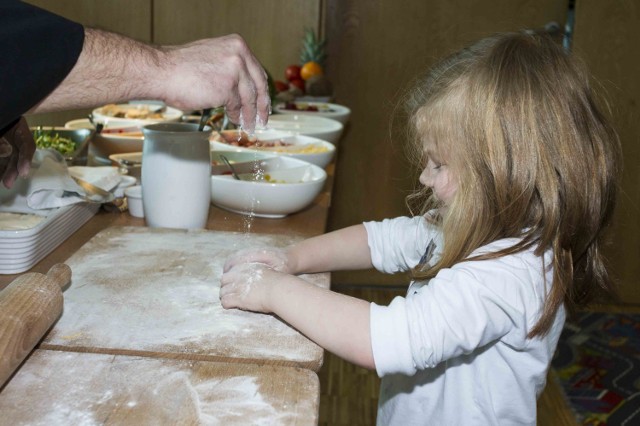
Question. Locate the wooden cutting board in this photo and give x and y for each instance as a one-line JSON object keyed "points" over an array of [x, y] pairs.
{"points": [[155, 292], [57, 388]]}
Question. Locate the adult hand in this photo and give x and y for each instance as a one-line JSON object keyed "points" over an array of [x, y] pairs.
{"points": [[248, 286], [217, 72], [17, 147], [275, 258], [203, 74]]}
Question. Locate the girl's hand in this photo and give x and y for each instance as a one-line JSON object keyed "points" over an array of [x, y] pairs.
{"points": [[275, 258], [248, 286]]}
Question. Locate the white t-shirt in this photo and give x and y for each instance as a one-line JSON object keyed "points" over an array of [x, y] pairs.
{"points": [[455, 350]]}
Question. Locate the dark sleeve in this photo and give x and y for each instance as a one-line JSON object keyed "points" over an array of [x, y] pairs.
{"points": [[37, 51]]}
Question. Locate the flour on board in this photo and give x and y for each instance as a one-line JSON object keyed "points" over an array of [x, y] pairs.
{"points": [[140, 289]]}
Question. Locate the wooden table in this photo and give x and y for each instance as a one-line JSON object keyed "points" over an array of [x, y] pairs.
{"points": [[65, 381]]}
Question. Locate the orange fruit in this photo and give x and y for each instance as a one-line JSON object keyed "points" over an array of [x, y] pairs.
{"points": [[310, 69]]}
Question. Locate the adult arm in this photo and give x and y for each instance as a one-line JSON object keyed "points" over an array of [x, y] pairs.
{"points": [[49, 63], [205, 73], [38, 50]]}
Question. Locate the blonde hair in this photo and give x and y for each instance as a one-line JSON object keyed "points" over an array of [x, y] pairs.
{"points": [[535, 159]]}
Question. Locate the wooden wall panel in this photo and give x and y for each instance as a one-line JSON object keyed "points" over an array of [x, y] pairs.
{"points": [[375, 48], [273, 29], [607, 36], [131, 18]]}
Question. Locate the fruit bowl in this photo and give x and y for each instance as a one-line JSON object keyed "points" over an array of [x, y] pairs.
{"points": [[280, 186]]}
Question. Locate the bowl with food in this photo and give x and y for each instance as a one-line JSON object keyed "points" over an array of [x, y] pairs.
{"points": [[136, 113], [130, 163], [306, 148], [315, 109], [241, 161], [274, 188], [71, 143], [116, 136], [318, 127]]}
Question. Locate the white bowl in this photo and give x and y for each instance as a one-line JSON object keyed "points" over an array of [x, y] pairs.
{"points": [[297, 184], [134, 200], [313, 150], [318, 127], [241, 161], [117, 136], [125, 182], [136, 113], [315, 109], [77, 136], [131, 162]]}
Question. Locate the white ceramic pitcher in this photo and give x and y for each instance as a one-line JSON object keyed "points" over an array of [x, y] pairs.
{"points": [[176, 175]]}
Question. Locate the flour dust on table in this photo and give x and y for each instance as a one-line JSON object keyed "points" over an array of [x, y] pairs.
{"points": [[138, 290], [97, 389]]}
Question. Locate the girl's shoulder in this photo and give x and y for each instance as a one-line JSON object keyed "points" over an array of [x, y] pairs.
{"points": [[522, 276]]}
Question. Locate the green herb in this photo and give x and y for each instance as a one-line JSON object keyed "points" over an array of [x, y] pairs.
{"points": [[49, 139]]}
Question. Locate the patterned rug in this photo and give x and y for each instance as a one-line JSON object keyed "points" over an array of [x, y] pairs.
{"points": [[598, 365]]}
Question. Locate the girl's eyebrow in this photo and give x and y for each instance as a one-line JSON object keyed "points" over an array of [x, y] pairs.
{"points": [[430, 153]]}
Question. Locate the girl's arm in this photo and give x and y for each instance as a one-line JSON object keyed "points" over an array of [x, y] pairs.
{"points": [[345, 249], [336, 322]]}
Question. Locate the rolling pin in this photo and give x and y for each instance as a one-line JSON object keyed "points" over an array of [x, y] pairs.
{"points": [[28, 308]]}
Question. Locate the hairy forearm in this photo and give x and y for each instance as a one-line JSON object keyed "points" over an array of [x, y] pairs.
{"points": [[111, 68], [337, 322], [345, 249]]}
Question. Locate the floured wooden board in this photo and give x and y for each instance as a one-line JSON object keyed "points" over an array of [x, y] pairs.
{"points": [[155, 292], [67, 388]]}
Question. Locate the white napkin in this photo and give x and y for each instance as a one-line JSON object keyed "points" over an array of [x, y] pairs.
{"points": [[105, 177], [48, 186]]}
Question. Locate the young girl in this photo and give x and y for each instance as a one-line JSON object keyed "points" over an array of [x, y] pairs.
{"points": [[519, 167]]}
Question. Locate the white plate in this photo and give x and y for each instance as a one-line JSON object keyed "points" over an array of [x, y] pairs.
{"points": [[322, 109], [21, 249], [318, 127], [313, 150]]}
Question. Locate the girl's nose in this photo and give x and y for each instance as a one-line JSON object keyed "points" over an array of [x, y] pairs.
{"points": [[425, 178]]}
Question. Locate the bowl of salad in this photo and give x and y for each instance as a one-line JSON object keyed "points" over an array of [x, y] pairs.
{"points": [[73, 144]]}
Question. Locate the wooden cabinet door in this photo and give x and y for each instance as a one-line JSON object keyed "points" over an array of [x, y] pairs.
{"points": [[607, 35], [273, 29], [375, 49], [131, 18]]}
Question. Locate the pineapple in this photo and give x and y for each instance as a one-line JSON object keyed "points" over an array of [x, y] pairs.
{"points": [[312, 48]]}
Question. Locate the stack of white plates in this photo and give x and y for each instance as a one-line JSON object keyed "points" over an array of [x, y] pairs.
{"points": [[21, 249]]}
